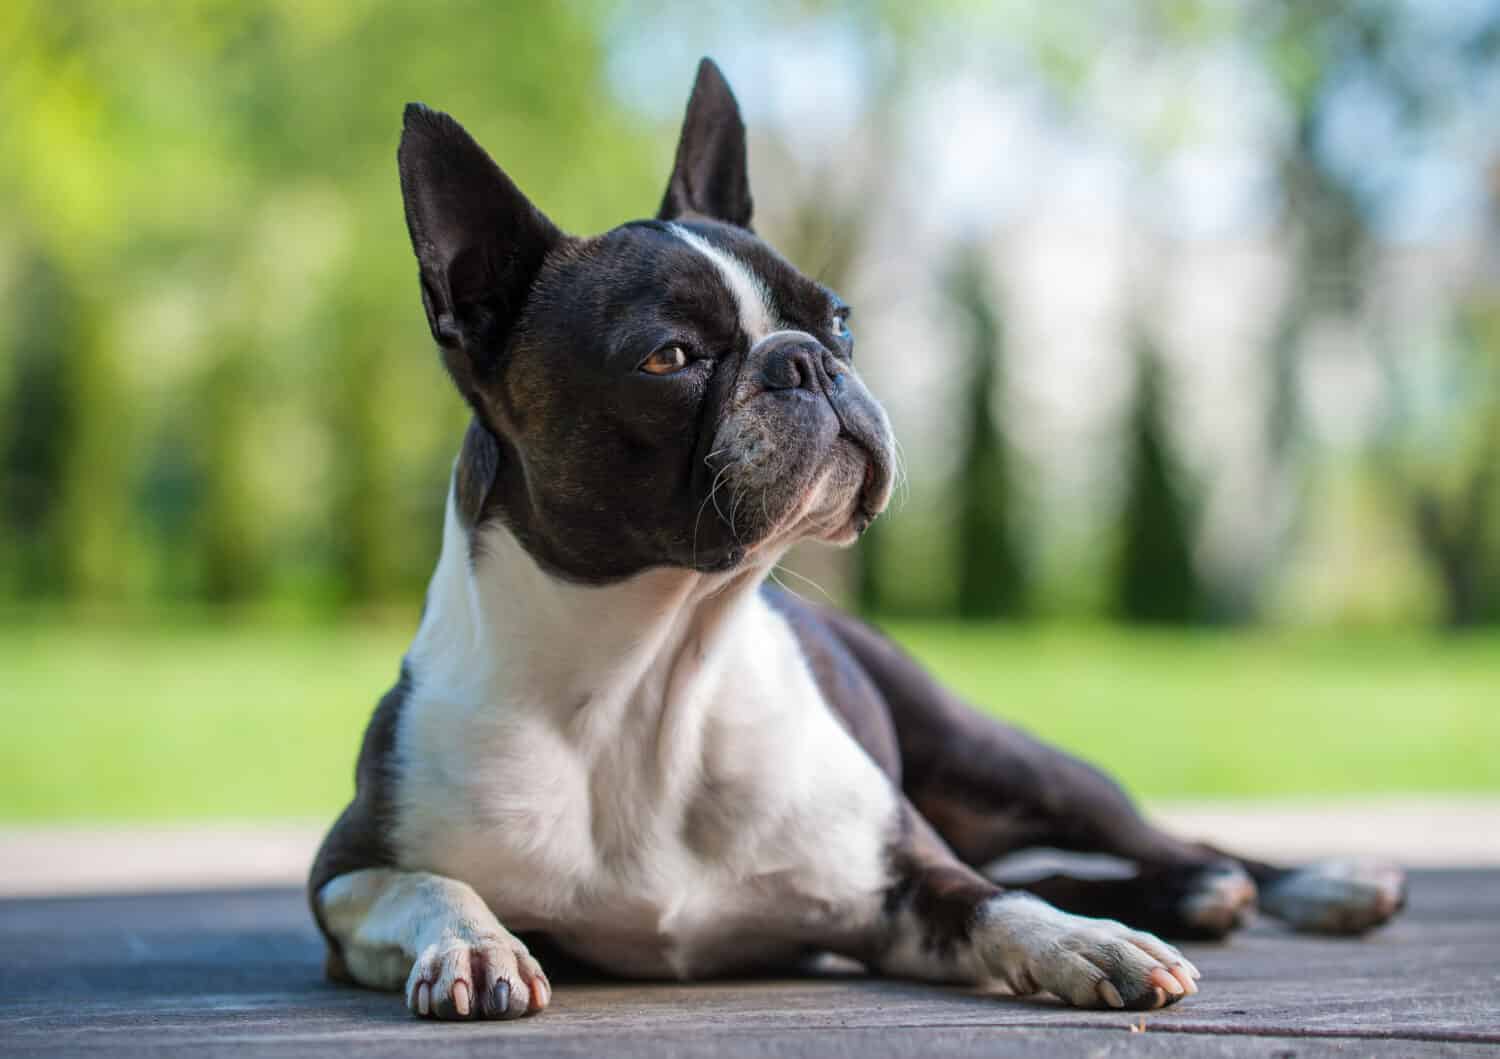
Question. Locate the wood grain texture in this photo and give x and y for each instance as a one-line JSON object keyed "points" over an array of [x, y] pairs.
{"points": [[240, 972]]}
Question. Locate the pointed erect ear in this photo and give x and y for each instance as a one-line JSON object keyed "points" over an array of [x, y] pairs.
{"points": [[479, 242], [711, 176]]}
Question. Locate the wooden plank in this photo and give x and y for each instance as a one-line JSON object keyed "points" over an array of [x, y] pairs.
{"points": [[211, 972]]}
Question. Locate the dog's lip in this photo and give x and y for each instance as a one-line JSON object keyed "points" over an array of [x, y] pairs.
{"points": [[865, 515], [874, 490]]}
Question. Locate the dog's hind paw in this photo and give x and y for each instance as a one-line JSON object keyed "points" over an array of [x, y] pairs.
{"points": [[1336, 896], [484, 977], [1214, 901]]}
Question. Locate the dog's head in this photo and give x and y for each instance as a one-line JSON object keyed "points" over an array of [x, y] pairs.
{"points": [[672, 392]]}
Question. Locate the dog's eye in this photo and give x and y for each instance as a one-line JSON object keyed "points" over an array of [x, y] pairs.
{"points": [[668, 360], [839, 324]]}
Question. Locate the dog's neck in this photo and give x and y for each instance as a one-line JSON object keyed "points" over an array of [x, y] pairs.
{"points": [[498, 626]]}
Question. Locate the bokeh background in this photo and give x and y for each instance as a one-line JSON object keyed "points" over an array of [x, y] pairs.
{"points": [[1187, 313]]}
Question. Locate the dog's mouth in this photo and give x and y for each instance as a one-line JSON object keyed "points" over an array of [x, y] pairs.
{"points": [[869, 498], [850, 491], [875, 489], [819, 466]]}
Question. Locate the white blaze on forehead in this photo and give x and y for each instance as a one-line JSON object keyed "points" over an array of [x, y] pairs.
{"points": [[756, 316]]}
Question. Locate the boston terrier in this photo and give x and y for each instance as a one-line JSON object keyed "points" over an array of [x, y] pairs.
{"points": [[611, 738]]}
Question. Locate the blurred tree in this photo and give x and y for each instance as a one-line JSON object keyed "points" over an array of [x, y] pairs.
{"points": [[169, 496], [1309, 51], [229, 529], [991, 575], [1156, 580], [215, 353], [39, 424], [1319, 56], [1455, 509], [362, 493]]}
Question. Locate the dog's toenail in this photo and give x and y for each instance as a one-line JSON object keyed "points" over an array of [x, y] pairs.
{"points": [[1163, 978], [1110, 995]]}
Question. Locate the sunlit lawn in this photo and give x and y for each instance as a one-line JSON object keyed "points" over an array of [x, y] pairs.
{"points": [[221, 720]]}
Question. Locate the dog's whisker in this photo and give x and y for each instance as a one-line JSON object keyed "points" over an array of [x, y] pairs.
{"points": [[712, 489], [729, 519], [734, 513], [787, 588], [903, 479], [803, 577]]}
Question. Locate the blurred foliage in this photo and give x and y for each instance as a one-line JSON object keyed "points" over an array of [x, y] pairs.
{"points": [[216, 380], [216, 385], [218, 392], [1318, 53]]}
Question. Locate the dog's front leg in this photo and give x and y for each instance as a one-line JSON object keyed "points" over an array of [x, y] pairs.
{"points": [[945, 922], [435, 937]]}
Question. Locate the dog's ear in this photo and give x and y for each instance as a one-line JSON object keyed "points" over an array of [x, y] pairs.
{"points": [[479, 243], [711, 176]]}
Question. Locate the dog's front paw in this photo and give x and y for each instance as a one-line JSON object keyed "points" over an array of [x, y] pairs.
{"points": [[1091, 963], [487, 976], [1336, 896]]}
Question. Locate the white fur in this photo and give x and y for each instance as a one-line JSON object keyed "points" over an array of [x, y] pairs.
{"points": [[649, 773], [429, 932], [757, 318], [647, 770], [1032, 946]]}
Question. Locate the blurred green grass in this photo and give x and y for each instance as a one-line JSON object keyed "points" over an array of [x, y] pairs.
{"points": [[179, 721]]}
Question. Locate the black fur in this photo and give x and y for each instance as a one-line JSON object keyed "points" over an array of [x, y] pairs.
{"points": [[711, 177], [359, 838], [479, 244], [544, 335]]}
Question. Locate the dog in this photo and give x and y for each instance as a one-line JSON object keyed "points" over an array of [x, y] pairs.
{"points": [[610, 736]]}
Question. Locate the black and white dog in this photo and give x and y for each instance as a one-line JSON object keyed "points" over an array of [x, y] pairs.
{"points": [[611, 735]]}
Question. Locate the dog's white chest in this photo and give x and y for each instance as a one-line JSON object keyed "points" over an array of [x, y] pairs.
{"points": [[716, 816]]}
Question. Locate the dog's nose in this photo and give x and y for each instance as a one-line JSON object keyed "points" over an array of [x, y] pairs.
{"points": [[789, 361]]}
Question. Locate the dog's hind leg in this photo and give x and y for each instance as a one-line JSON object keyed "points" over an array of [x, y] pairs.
{"points": [[991, 789], [1331, 896]]}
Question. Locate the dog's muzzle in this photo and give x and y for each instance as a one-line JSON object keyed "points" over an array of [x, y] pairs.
{"points": [[795, 360]]}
